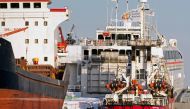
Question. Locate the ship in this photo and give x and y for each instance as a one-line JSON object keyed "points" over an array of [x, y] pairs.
{"points": [[30, 76], [130, 52], [22, 89]]}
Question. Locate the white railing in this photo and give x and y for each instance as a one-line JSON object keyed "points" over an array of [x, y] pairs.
{"points": [[24, 14]]}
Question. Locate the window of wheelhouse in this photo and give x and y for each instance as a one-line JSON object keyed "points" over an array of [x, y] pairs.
{"points": [[100, 37], [26, 5], [114, 50], [121, 52], [45, 23], [37, 5], [94, 51], [128, 36], [113, 36], [3, 23], [141, 74], [107, 38], [136, 37], [99, 51], [120, 36], [3, 5], [86, 53], [26, 23], [107, 50], [36, 23], [129, 52], [14, 5], [137, 52]]}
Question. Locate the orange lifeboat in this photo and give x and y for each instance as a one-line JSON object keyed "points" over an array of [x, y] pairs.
{"points": [[106, 34], [35, 61]]}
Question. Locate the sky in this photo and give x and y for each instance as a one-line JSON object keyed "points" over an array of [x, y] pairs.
{"points": [[172, 17]]}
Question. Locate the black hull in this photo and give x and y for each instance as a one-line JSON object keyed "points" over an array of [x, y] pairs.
{"points": [[14, 78]]}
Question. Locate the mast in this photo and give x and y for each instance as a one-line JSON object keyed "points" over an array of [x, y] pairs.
{"points": [[127, 2], [116, 20], [142, 14]]}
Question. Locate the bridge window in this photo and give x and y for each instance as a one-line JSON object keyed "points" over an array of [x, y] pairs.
{"points": [[26, 5], [113, 36], [107, 50], [37, 5], [86, 53], [114, 50], [45, 41], [3, 5], [136, 37], [170, 54], [36, 41], [36, 23], [100, 37], [128, 52], [137, 52], [26, 23], [120, 36], [94, 52], [3, 23], [107, 38], [45, 58], [128, 36], [14, 5], [26, 41], [45, 23], [99, 51], [122, 52], [141, 74], [137, 74]]}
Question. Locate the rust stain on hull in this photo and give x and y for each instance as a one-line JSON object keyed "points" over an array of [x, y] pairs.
{"points": [[14, 99]]}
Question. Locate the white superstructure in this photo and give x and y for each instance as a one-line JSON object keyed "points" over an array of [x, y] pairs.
{"points": [[40, 38], [125, 47]]}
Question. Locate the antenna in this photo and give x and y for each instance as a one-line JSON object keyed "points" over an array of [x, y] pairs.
{"points": [[116, 20], [127, 2], [107, 10]]}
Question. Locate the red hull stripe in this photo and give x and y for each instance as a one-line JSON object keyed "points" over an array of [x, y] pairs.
{"points": [[14, 99], [177, 62], [25, 0], [58, 10]]}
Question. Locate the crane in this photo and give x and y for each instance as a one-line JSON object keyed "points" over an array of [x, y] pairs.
{"points": [[63, 44], [13, 32], [70, 34]]}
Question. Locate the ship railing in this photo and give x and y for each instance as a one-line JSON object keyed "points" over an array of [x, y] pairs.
{"points": [[138, 42], [24, 14], [111, 58], [144, 42], [159, 101], [103, 42]]}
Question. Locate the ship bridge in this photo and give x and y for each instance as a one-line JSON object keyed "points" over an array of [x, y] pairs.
{"points": [[39, 40]]}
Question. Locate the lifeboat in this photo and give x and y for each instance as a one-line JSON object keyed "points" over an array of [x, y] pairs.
{"points": [[106, 34], [35, 61]]}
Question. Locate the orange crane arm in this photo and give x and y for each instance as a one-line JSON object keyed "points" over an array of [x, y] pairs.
{"points": [[13, 32], [61, 33]]}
